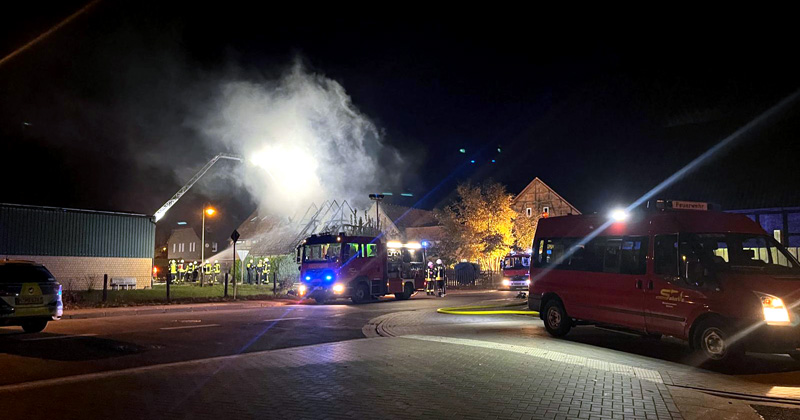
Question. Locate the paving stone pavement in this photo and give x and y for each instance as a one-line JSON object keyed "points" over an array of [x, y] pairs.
{"points": [[369, 378]]}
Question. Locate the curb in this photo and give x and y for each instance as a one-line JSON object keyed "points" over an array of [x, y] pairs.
{"points": [[116, 312]]}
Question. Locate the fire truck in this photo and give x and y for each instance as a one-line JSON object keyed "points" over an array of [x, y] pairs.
{"points": [[516, 271], [361, 268]]}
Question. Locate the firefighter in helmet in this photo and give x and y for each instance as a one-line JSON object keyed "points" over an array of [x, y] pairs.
{"points": [[266, 270], [259, 270], [249, 270], [430, 282], [217, 269], [440, 283], [173, 270], [182, 271], [206, 270]]}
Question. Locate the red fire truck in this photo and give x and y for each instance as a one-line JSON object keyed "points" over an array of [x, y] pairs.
{"points": [[361, 268], [516, 271]]}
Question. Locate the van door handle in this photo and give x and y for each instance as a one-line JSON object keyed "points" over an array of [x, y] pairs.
{"points": [[650, 285], [638, 284]]}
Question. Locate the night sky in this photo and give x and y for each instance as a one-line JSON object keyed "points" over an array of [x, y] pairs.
{"points": [[601, 109]]}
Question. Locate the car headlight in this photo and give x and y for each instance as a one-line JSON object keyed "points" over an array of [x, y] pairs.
{"points": [[302, 289], [506, 282], [775, 312], [528, 282], [338, 288]]}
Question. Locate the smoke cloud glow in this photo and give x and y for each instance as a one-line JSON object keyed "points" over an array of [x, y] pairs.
{"points": [[304, 141]]}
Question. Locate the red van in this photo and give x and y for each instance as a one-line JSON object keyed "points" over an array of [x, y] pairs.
{"points": [[714, 279]]}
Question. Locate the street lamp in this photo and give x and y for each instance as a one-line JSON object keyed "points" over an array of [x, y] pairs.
{"points": [[377, 199], [210, 212]]}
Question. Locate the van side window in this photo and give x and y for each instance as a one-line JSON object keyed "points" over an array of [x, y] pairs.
{"points": [[666, 255], [611, 255], [634, 255], [351, 251]]}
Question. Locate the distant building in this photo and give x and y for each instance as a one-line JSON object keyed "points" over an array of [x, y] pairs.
{"points": [[184, 244], [80, 246], [783, 223], [538, 198], [407, 224]]}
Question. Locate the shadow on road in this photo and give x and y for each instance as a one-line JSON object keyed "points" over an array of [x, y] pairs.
{"points": [[68, 349]]}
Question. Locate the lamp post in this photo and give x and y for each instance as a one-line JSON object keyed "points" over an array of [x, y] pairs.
{"points": [[210, 211], [377, 199]]}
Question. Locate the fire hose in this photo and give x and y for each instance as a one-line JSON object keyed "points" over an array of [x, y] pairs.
{"points": [[487, 310]]}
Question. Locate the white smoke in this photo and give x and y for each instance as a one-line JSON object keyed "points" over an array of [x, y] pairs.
{"points": [[303, 140]]}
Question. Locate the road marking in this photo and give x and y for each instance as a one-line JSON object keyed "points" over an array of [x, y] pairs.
{"points": [[189, 326], [58, 337], [639, 373], [282, 319]]}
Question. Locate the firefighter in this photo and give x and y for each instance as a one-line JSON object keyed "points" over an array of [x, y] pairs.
{"points": [[189, 271], [440, 280], [259, 270], [249, 270], [430, 283], [266, 270], [181, 271], [217, 269], [207, 270], [173, 270], [195, 270]]}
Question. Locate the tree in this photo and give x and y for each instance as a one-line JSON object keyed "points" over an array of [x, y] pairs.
{"points": [[478, 225], [524, 230]]}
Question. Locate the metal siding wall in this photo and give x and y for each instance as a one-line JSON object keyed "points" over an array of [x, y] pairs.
{"points": [[50, 231]]}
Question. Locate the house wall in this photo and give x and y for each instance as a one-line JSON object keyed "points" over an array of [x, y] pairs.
{"points": [[539, 196]]}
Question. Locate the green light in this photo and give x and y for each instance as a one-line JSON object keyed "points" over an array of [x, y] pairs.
{"points": [[407, 195], [386, 193], [462, 150]]}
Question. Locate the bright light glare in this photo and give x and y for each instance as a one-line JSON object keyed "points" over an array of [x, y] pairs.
{"points": [[619, 215], [301, 290], [413, 245], [394, 244], [528, 282], [283, 163], [338, 288], [506, 282], [210, 211]]}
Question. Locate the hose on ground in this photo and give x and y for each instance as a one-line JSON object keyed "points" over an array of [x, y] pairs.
{"points": [[487, 310]]}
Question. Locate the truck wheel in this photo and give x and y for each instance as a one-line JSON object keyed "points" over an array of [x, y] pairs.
{"points": [[361, 294], [407, 292], [556, 320], [34, 326], [712, 341]]}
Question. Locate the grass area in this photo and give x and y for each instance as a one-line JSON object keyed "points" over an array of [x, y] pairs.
{"points": [[183, 293]]}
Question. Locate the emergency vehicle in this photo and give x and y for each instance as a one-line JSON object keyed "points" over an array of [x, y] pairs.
{"points": [[714, 279], [516, 271], [361, 268], [29, 295]]}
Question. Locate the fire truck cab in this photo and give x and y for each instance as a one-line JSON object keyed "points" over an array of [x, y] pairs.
{"points": [[516, 271], [361, 268]]}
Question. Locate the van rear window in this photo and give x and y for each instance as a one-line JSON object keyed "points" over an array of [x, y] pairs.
{"points": [[24, 273]]}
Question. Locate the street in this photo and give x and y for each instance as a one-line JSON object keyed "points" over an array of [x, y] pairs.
{"points": [[314, 361]]}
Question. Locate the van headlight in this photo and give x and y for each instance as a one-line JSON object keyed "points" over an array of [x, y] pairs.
{"points": [[338, 288], [775, 312], [302, 289], [506, 282]]}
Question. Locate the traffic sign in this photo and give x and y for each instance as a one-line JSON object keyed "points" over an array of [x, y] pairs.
{"points": [[235, 235], [242, 253]]}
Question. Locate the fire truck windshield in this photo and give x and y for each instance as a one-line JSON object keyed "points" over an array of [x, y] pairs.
{"points": [[322, 252], [521, 261]]}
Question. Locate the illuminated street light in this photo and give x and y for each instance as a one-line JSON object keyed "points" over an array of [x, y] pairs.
{"points": [[210, 211], [618, 215]]}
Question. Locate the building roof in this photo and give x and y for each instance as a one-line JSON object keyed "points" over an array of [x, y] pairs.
{"points": [[405, 217], [533, 183]]}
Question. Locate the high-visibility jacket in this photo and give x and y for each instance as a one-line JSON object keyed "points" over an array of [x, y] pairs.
{"points": [[217, 268], [207, 268], [173, 267], [181, 268]]}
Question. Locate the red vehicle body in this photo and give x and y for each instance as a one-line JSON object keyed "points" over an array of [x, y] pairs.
{"points": [[714, 279], [361, 268], [516, 270]]}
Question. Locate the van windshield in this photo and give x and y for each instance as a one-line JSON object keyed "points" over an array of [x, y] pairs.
{"points": [[738, 251]]}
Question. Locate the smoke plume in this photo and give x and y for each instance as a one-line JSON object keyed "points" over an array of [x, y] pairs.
{"points": [[302, 139]]}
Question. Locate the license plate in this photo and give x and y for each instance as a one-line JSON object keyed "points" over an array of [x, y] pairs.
{"points": [[30, 300]]}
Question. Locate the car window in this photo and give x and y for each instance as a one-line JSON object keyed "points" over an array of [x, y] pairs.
{"points": [[23, 273]]}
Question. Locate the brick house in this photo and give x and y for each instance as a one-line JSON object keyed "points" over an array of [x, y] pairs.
{"points": [[538, 198], [184, 244]]}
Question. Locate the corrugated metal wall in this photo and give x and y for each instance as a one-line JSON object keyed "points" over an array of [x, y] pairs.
{"points": [[30, 230]]}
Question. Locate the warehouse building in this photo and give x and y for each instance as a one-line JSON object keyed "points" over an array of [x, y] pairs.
{"points": [[80, 246]]}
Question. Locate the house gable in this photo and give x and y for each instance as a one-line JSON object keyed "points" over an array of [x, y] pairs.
{"points": [[537, 196]]}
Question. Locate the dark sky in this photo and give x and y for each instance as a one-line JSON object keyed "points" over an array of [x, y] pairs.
{"points": [[601, 107]]}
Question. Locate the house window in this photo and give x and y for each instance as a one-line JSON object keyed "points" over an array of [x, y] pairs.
{"points": [[528, 212], [174, 246], [180, 247], [546, 210]]}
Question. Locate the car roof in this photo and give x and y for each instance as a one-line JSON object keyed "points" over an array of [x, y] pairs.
{"points": [[18, 262]]}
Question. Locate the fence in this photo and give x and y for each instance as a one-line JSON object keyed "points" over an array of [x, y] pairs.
{"points": [[462, 279]]}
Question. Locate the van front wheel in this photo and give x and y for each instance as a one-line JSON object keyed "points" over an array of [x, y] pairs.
{"points": [[556, 321]]}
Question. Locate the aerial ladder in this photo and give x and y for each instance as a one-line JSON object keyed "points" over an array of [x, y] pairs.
{"points": [[171, 202]]}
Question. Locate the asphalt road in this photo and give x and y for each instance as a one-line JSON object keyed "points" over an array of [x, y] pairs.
{"points": [[80, 346]]}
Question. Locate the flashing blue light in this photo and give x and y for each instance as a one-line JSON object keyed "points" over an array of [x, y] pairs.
{"points": [[472, 161], [425, 244], [328, 277], [494, 161], [308, 277], [181, 223]]}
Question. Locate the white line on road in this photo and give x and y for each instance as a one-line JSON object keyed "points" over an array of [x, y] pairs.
{"points": [[189, 326], [282, 319], [58, 337]]}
